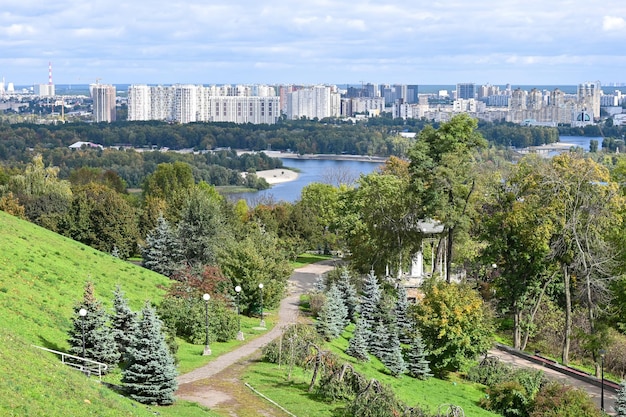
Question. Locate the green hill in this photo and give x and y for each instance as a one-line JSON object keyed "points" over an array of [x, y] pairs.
{"points": [[42, 276]]}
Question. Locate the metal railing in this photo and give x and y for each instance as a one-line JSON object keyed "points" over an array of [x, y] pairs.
{"points": [[86, 366]]}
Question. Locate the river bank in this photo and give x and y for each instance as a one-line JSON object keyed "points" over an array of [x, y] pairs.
{"points": [[320, 156]]}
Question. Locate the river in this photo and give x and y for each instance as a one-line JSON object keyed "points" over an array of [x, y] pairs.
{"points": [[316, 170], [310, 170]]}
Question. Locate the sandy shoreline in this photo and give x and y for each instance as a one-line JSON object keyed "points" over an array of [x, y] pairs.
{"points": [[276, 176]]}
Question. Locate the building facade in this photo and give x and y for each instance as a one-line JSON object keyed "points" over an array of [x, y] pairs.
{"points": [[103, 96]]}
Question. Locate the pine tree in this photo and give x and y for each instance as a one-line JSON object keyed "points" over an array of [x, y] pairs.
{"points": [[419, 366], [99, 340], [401, 310], [349, 294], [620, 402], [124, 321], [370, 302], [162, 252], [150, 374], [377, 345], [392, 355], [357, 346], [332, 316]]}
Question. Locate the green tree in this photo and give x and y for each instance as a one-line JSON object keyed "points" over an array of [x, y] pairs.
{"points": [[357, 346], [557, 400], [401, 313], [99, 338], [370, 301], [443, 175], [124, 321], [417, 362], [172, 183], [392, 356], [348, 293], [332, 318], [620, 402], [103, 219], [150, 373], [162, 252], [454, 324]]}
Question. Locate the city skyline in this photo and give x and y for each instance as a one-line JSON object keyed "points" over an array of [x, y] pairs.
{"points": [[317, 42]]}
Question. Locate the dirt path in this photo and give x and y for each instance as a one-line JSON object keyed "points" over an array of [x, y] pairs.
{"points": [[217, 385]]}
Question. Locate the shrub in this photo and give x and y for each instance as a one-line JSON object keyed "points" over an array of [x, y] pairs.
{"points": [[489, 372], [292, 346], [508, 398], [557, 400], [316, 302]]}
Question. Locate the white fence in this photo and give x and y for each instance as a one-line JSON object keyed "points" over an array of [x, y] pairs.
{"points": [[86, 366]]}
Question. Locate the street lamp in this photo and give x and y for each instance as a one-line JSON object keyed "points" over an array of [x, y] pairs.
{"points": [[239, 333], [207, 348], [262, 318], [602, 353], [82, 313]]}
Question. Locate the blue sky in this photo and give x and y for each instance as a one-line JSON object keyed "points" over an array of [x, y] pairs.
{"points": [[313, 41]]}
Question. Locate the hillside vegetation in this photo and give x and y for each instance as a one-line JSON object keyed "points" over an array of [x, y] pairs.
{"points": [[42, 276]]}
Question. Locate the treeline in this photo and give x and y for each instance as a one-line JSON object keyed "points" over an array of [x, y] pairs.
{"points": [[377, 136], [216, 168]]}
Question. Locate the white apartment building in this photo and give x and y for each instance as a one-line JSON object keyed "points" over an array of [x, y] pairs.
{"points": [[103, 96], [186, 103], [318, 102]]}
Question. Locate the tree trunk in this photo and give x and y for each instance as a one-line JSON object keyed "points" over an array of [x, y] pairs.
{"points": [[592, 322], [517, 331], [449, 256], [568, 317], [534, 313]]}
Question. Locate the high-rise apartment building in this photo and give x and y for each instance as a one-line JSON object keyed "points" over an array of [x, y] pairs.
{"points": [[318, 102], [196, 103], [589, 96], [465, 90], [103, 96]]}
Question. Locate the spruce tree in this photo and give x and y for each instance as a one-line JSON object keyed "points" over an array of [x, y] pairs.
{"points": [[99, 340], [150, 374], [392, 355], [379, 340], [419, 366], [357, 346], [370, 303], [162, 252], [124, 321], [349, 294], [620, 401], [332, 316], [401, 310]]}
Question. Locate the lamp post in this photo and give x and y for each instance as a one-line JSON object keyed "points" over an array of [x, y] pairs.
{"points": [[262, 318], [82, 313], [207, 348], [602, 353], [239, 333]]}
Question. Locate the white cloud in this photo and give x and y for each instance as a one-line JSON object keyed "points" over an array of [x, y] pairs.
{"points": [[613, 23]]}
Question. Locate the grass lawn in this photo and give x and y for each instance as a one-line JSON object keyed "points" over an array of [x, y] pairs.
{"points": [[293, 394], [308, 258]]}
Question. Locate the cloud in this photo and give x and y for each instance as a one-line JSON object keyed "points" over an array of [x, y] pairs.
{"points": [[613, 23]]}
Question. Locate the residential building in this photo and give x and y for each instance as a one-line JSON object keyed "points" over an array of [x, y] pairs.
{"points": [[103, 96], [465, 90]]}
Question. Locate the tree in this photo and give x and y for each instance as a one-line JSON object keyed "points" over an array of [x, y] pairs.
{"points": [[454, 324], [348, 293], [172, 183], [557, 400], [392, 356], [585, 206], [418, 364], [102, 218], [379, 340], [517, 236], [370, 301], [443, 175], [357, 346], [620, 402], [99, 339], [333, 315], [124, 321], [162, 252], [401, 312], [150, 374]]}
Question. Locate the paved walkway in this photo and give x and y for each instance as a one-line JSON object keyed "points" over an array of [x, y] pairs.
{"points": [[592, 390], [300, 281]]}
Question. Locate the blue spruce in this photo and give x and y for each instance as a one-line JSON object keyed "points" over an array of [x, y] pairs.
{"points": [[150, 374], [332, 316]]}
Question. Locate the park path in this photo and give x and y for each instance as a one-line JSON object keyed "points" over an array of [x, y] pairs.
{"points": [[206, 384]]}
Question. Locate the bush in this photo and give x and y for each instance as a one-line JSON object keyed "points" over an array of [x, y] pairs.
{"points": [[508, 398], [557, 400], [316, 302], [292, 346], [489, 372]]}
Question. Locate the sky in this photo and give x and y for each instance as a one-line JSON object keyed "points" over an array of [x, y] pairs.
{"points": [[530, 42]]}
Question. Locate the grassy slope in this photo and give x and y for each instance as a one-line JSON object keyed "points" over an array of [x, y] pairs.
{"points": [[42, 275]]}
